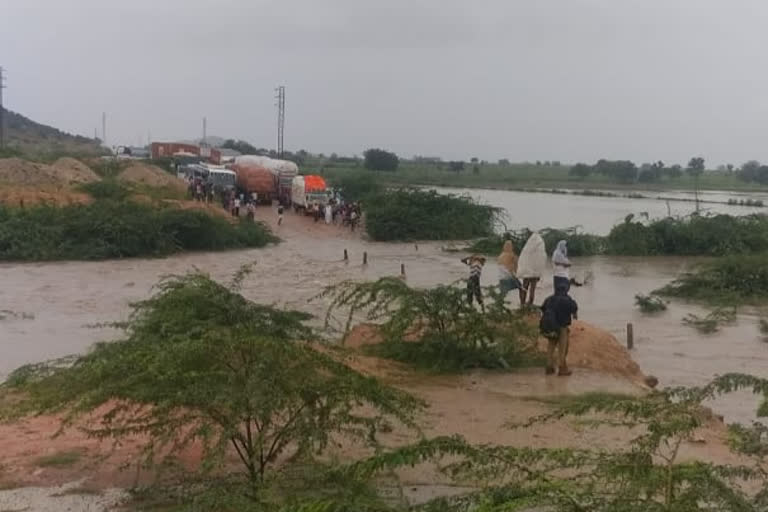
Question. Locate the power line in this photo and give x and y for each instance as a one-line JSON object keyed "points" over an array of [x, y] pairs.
{"points": [[2, 110], [280, 120]]}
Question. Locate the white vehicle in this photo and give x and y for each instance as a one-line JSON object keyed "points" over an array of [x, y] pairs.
{"points": [[308, 190]]}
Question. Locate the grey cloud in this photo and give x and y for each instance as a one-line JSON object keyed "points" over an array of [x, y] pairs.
{"points": [[523, 79]]}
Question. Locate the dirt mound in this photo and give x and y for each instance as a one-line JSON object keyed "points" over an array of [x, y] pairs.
{"points": [[594, 348], [31, 195], [151, 175], [70, 170], [16, 171], [590, 347]]}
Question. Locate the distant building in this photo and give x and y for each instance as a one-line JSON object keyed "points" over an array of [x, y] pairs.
{"points": [[228, 155], [168, 149]]}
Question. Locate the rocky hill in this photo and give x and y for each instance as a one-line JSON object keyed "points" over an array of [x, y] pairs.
{"points": [[31, 138]]}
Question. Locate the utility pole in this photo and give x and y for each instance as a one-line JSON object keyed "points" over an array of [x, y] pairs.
{"points": [[280, 120], [205, 130], [104, 129], [2, 110]]}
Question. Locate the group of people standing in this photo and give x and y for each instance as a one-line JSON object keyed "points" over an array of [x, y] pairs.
{"points": [[523, 273], [348, 214]]}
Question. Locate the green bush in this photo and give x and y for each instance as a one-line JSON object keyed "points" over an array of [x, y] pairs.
{"points": [[411, 214], [106, 189], [739, 279], [357, 186], [716, 235], [110, 229], [437, 328], [579, 244], [650, 303]]}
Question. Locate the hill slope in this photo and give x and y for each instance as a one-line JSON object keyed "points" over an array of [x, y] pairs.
{"points": [[37, 139]]}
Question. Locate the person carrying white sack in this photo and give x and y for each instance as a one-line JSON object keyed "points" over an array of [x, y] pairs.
{"points": [[531, 266]]}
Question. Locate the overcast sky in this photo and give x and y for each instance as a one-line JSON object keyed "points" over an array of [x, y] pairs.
{"points": [[570, 80]]}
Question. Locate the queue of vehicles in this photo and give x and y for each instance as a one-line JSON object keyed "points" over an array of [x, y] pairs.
{"points": [[263, 178]]}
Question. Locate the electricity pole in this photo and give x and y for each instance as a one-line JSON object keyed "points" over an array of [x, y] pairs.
{"points": [[2, 110], [104, 129], [280, 120]]}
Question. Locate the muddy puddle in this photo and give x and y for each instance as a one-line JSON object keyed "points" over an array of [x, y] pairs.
{"points": [[50, 308]]}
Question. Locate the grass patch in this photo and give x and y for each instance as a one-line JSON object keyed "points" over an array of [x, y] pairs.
{"points": [[712, 322], [650, 303], [410, 214], [118, 229], [733, 280], [60, 459]]}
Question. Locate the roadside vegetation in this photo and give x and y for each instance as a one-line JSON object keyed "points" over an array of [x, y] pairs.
{"points": [[412, 214], [716, 235], [113, 228], [435, 328]]}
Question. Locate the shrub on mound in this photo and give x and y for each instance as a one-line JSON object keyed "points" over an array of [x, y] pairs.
{"points": [[411, 214], [110, 229]]}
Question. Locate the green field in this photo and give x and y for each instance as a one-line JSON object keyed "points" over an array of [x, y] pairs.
{"points": [[523, 176]]}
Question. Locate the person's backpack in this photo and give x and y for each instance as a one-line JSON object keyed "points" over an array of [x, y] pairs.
{"points": [[548, 326]]}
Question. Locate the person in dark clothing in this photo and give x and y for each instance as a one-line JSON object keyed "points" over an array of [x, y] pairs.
{"points": [[557, 312], [475, 264]]}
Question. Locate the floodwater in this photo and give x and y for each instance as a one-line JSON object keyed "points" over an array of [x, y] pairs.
{"points": [[50, 308], [598, 215]]}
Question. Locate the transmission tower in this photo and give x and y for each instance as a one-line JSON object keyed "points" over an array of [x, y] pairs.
{"points": [[2, 110], [280, 119]]}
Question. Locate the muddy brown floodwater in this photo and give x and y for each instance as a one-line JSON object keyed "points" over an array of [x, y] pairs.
{"points": [[50, 308]]}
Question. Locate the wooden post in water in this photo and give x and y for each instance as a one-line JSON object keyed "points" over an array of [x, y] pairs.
{"points": [[346, 256], [365, 258], [402, 269], [416, 246], [630, 336]]}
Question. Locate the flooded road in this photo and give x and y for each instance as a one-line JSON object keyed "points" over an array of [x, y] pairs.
{"points": [[50, 308]]}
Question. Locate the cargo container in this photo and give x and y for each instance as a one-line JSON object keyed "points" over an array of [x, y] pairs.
{"points": [[255, 179], [169, 149]]}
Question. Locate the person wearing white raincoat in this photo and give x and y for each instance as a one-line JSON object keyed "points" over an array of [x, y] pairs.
{"points": [[531, 266]]}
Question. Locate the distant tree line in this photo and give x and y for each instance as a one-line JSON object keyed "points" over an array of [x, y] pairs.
{"points": [[625, 171]]}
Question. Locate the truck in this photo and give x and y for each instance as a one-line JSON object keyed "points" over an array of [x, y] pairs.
{"points": [[255, 179], [308, 190], [283, 172]]}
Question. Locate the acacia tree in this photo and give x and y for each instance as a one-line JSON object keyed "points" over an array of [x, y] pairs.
{"points": [[648, 475], [435, 327], [201, 364]]}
